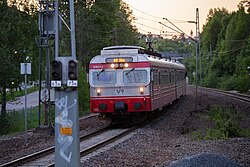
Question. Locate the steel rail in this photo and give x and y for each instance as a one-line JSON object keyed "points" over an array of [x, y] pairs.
{"points": [[238, 96], [36, 155], [89, 149]]}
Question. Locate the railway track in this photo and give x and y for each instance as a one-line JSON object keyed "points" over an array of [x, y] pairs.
{"points": [[88, 144], [46, 153], [238, 96]]}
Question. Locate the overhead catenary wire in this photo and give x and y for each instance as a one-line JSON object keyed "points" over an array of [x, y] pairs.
{"points": [[142, 11], [143, 18], [238, 47], [175, 26], [170, 28], [158, 20], [148, 26]]}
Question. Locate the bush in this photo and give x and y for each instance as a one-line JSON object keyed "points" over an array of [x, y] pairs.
{"points": [[14, 121], [226, 123], [211, 80], [83, 91], [240, 83]]}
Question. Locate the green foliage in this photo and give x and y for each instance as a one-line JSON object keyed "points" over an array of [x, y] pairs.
{"points": [[225, 49], [100, 24], [240, 83], [217, 19], [190, 66], [94, 25], [197, 135], [14, 121], [215, 134], [226, 121], [17, 31], [83, 91], [211, 80], [226, 125], [172, 46]]}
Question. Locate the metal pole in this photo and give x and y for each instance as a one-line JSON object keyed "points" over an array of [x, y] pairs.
{"points": [[25, 103], [72, 27], [56, 29], [40, 67], [196, 70], [198, 24], [40, 87], [67, 148]]}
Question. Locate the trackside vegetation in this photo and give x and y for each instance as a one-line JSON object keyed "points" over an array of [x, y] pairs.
{"points": [[225, 49], [226, 124]]}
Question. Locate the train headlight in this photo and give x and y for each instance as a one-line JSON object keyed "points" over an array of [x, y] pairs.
{"points": [[141, 90], [119, 65], [98, 91]]}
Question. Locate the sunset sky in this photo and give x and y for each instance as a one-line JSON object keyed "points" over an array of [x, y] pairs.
{"points": [[149, 12]]}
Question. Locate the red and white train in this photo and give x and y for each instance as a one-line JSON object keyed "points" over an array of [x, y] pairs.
{"points": [[129, 79]]}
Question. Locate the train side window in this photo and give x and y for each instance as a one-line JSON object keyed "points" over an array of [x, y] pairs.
{"points": [[172, 77], [167, 79]]}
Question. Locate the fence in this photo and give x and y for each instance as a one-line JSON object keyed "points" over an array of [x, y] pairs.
{"points": [[14, 121]]}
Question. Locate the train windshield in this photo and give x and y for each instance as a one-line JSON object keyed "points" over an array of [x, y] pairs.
{"points": [[104, 77], [134, 76]]}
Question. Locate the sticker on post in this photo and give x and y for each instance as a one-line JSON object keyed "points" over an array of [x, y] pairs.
{"points": [[56, 84], [72, 83], [66, 130]]}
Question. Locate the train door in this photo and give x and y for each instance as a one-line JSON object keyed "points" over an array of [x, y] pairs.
{"points": [[151, 84], [175, 82], [160, 89], [155, 89]]}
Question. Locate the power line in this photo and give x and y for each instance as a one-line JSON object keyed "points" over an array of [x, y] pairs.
{"points": [[238, 47], [143, 12], [175, 26], [147, 26], [143, 18], [170, 27]]}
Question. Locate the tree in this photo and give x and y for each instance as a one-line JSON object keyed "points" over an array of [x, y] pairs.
{"points": [[227, 35], [16, 32], [95, 22]]}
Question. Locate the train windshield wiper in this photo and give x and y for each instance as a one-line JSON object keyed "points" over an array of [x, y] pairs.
{"points": [[130, 71], [99, 73]]}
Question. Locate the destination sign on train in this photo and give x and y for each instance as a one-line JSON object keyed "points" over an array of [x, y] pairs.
{"points": [[119, 60]]}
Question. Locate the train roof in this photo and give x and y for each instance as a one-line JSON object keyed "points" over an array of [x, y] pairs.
{"points": [[140, 53], [127, 50]]}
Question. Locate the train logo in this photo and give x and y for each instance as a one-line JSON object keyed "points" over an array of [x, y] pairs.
{"points": [[120, 91]]}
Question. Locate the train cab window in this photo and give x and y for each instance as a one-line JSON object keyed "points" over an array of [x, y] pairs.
{"points": [[135, 76], [105, 77]]}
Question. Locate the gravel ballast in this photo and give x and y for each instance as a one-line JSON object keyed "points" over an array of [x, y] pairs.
{"points": [[166, 141], [169, 138]]}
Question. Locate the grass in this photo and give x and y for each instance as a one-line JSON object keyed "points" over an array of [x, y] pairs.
{"points": [[14, 121], [227, 124]]}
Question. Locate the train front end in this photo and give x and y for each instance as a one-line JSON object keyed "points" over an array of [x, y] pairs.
{"points": [[119, 81]]}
